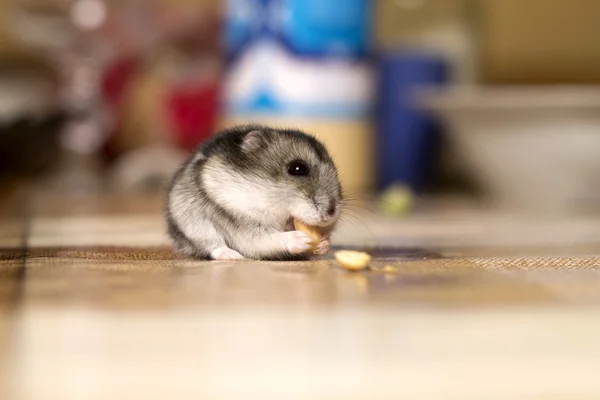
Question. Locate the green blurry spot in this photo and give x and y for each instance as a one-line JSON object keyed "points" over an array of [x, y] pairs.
{"points": [[397, 200]]}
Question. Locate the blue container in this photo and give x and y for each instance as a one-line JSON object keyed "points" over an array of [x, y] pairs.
{"points": [[407, 136]]}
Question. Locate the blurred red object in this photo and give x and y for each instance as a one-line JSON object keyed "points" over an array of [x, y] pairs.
{"points": [[114, 84], [116, 78], [192, 112]]}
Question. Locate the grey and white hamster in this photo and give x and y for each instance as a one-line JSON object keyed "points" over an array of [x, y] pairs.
{"points": [[237, 195]]}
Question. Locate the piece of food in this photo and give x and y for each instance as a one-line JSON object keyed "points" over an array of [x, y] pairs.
{"points": [[352, 260], [312, 231], [390, 269]]}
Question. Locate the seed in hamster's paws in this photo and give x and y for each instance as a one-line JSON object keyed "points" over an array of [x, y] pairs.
{"points": [[323, 247], [297, 242], [225, 253], [312, 231]]}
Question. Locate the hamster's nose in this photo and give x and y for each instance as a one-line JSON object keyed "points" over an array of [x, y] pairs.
{"points": [[331, 209]]}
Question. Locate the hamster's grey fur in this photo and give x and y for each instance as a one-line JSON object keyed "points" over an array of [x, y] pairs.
{"points": [[235, 197]]}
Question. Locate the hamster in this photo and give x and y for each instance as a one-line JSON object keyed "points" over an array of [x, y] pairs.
{"points": [[238, 193]]}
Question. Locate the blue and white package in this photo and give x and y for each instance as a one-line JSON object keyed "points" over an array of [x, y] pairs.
{"points": [[298, 58]]}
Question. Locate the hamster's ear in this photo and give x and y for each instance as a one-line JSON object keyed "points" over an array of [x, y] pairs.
{"points": [[253, 141]]}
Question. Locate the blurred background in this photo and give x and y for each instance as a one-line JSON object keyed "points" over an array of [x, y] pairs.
{"points": [[492, 100]]}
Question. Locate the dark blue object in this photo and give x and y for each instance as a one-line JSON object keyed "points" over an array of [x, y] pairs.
{"points": [[407, 136]]}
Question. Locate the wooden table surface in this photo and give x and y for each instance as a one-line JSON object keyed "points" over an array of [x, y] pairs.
{"points": [[94, 305]]}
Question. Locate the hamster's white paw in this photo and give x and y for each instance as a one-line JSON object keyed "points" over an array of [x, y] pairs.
{"points": [[324, 246], [225, 253], [297, 242]]}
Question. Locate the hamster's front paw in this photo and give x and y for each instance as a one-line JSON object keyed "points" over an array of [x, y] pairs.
{"points": [[296, 242], [225, 253], [324, 246]]}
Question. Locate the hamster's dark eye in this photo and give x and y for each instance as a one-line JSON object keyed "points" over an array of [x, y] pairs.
{"points": [[298, 168]]}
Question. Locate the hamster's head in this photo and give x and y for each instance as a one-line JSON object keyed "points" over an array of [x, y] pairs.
{"points": [[289, 174]]}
